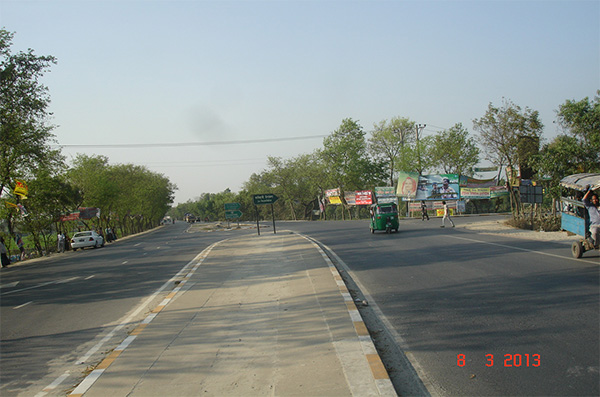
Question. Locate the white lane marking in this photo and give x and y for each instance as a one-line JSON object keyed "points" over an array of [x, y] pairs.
{"points": [[94, 375], [88, 277], [135, 245], [28, 288], [67, 280], [141, 307], [9, 285], [54, 384], [124, 262], [521, 249], [126, 343], [42, 285], [23, 305], [88, 382]]}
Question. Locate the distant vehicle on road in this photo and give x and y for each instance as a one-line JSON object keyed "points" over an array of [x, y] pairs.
{"points": [[86, 239], [384, 217], [189, 218]]}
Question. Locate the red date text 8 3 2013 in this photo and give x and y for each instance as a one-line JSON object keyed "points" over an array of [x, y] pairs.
{"points": [[510, 360]]}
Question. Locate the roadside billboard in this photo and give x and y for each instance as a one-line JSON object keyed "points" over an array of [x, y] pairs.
{"points": [[407, 185], [438, 187]]}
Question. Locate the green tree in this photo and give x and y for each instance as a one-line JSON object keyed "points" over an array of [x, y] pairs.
{"points": [[577, 149], [501, 133], [294, 183], [347, 161], [50, 196], [25, 133], [453, 151], [130, 197], [388, 141], [581, 121]]}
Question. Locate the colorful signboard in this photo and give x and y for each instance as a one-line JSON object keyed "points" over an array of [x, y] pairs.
{"points": [[335, 200], [498, 191], [407, 184], [386, 194], [438, 187], [21, 189], [475, 192], [350, 198], [364, 197]]}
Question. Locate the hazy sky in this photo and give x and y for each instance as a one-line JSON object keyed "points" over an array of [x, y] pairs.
{"points": [[139, 72]]}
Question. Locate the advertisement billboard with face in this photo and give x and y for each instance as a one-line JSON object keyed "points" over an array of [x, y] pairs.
{"points": [[438, 187]]}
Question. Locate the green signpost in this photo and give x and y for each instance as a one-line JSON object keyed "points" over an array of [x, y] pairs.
{"points": [[260, 199], [233, 214]]}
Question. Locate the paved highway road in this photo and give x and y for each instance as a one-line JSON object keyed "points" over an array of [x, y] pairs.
{"points": [[62, 314], [479, 314]]}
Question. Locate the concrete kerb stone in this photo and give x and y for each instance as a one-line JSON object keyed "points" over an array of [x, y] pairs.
{"points": [[378, 370], [379, 339]]}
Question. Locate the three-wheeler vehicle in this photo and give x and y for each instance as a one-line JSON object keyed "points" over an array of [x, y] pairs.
{"points": [[384, 216], [574, 216]]}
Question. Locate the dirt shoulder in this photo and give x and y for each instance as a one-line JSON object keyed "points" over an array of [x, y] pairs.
{"points": [[499, 227]]}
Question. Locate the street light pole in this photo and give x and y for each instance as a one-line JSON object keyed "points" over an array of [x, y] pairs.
{"points": [[419, 127]]}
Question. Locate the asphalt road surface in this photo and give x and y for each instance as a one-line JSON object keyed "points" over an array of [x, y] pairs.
{"points": [[476, 314], [479, 314], [62, 314]]}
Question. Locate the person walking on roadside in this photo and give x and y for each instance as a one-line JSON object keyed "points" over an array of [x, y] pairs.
{"points": [[61, 242], [424, 213], [591, 203], [4, 253], [446, 215], [20, 245]]}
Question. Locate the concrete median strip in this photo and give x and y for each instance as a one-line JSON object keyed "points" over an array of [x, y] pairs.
{"points": [[274, 290], [104, 364]]}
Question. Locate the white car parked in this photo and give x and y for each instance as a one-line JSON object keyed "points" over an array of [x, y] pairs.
{"points": [[86, 239]]}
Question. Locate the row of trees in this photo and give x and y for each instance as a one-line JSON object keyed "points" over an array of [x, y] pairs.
{"points": [[131, 198], [509, 136]]}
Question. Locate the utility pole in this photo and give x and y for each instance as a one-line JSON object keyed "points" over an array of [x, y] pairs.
{"points": [[419, 127]]}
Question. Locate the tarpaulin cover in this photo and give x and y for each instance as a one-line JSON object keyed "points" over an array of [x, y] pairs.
{"points": [[580, 181]]}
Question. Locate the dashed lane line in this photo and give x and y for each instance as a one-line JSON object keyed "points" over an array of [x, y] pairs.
{"points": [[23, 305], [41, 285]]}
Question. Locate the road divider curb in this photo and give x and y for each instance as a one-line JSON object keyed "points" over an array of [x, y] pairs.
{"points": [[380, 374]]}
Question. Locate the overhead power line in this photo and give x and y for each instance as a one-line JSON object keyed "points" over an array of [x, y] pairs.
{"points": [[182, 144]]}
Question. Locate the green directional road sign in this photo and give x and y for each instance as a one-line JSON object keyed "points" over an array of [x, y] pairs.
{"points": [[264, 198], [233, 214], [232, 206]]}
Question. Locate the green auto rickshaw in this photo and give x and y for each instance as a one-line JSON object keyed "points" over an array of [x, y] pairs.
{"points": [[384, 217]]}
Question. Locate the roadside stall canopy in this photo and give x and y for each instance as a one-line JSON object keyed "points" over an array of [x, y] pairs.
{"points": [[580, 181]]}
